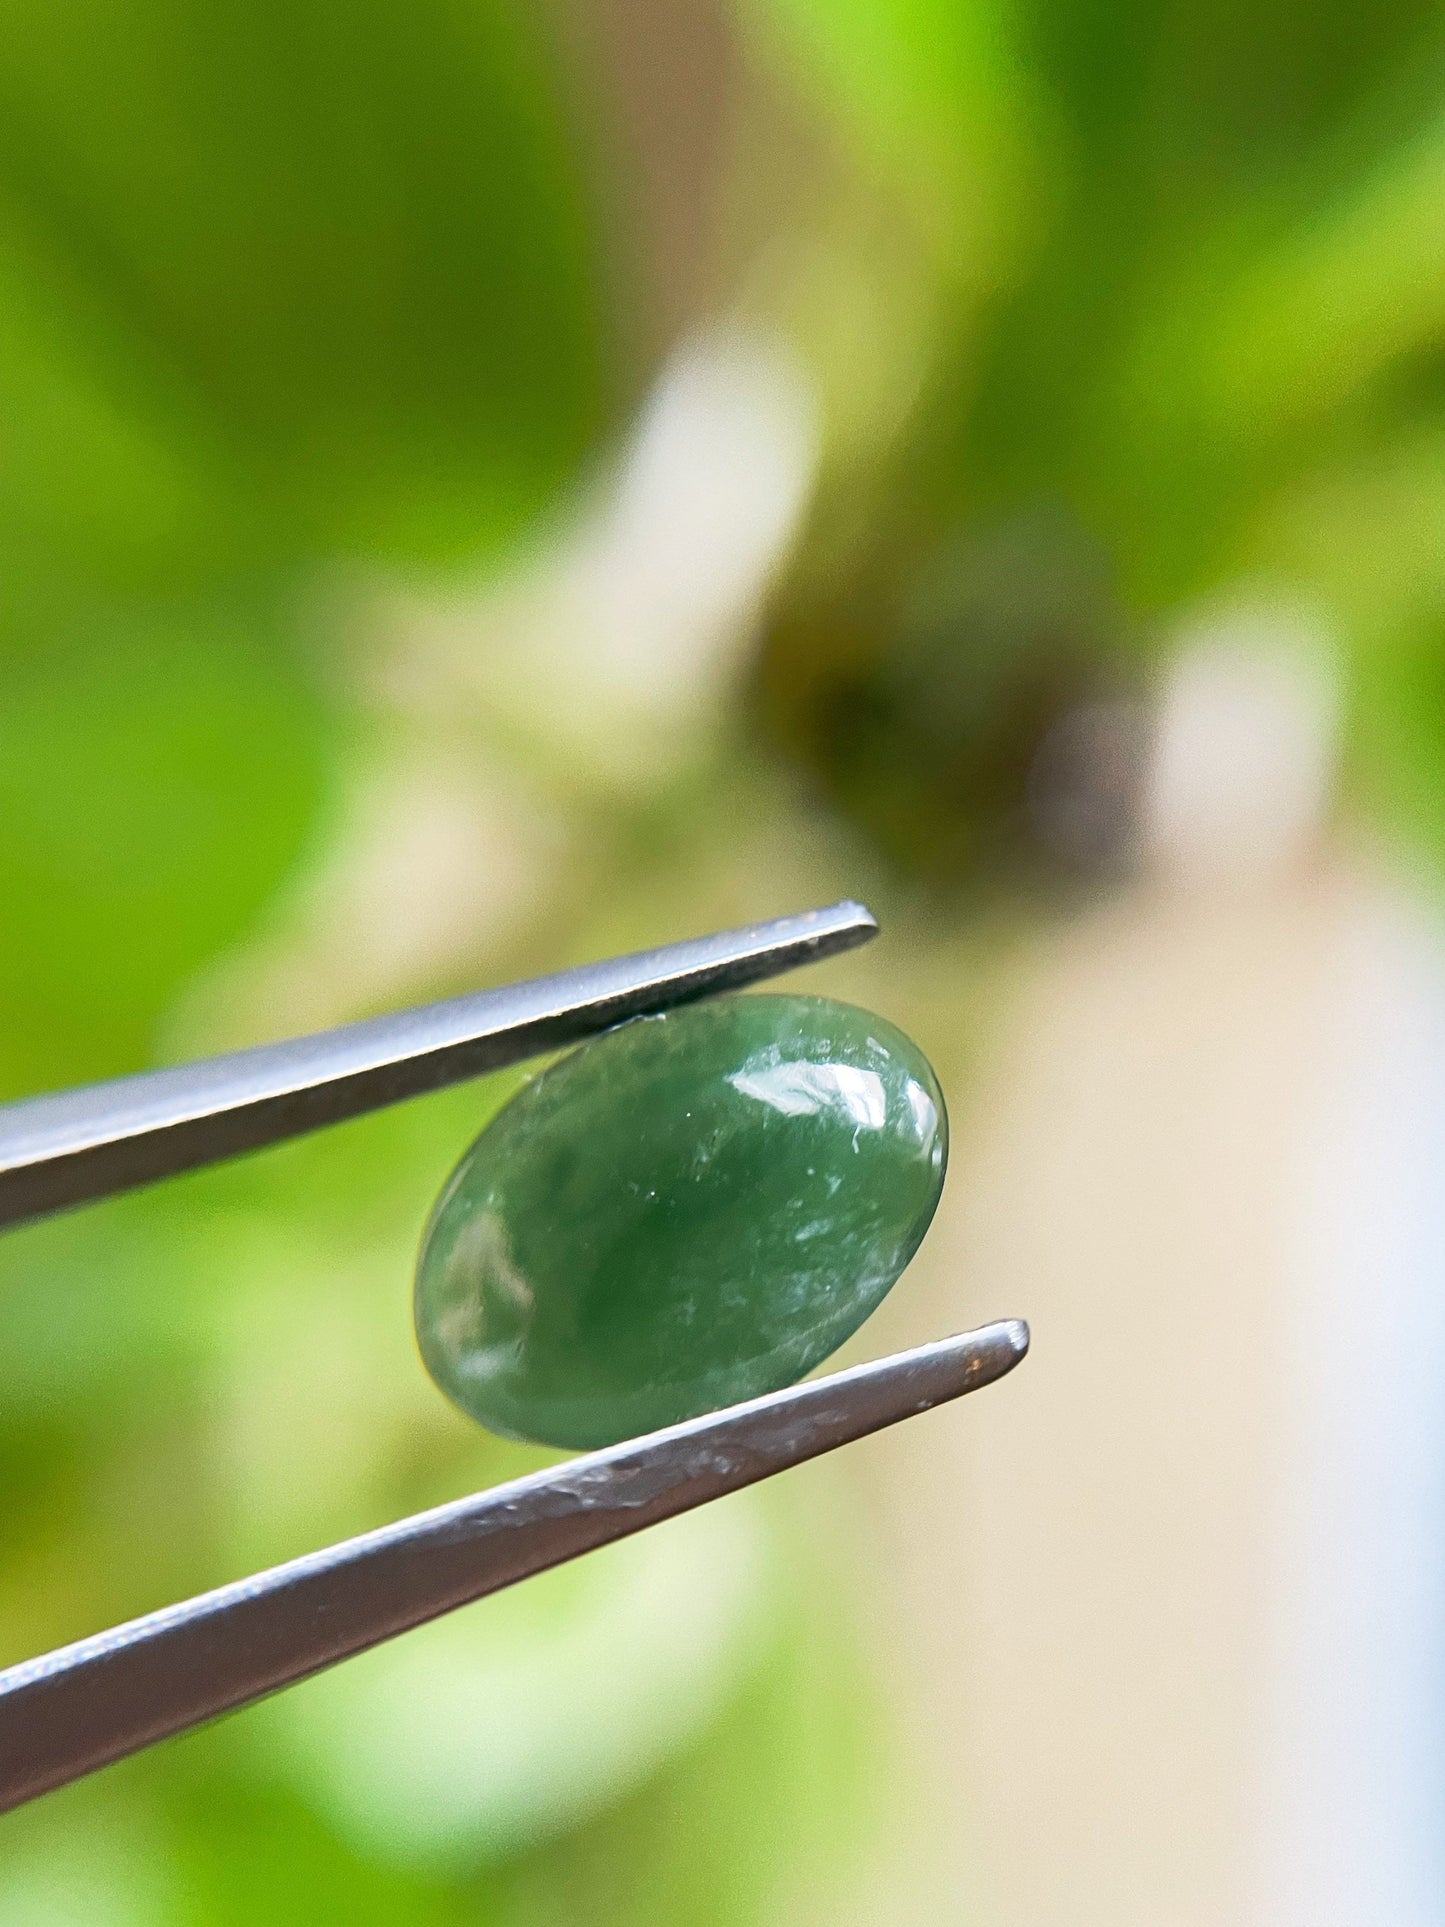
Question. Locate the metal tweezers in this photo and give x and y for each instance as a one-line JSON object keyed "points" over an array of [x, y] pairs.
{"points": [[79, 1708]]}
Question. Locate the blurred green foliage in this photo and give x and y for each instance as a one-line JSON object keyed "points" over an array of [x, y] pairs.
{"points": [[286, 281], [287, 294], [1145, 304], [1185, 273], [152, 791]]}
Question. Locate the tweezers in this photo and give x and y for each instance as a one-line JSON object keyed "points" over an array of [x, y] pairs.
{"points": [[85, 1705]]}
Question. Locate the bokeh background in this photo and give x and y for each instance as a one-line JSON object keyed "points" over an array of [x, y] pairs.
{"points": [[483, 486]]}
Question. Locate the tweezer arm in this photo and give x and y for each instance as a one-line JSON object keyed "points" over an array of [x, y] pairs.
{"points": [[77, 1709], [80, 1145]]}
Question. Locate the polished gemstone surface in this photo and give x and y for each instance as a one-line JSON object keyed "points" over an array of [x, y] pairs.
{"points": [[690, 1210]]}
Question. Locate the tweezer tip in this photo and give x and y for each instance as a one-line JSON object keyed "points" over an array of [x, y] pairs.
{"points": [[1017, 1332], [857, 914]]}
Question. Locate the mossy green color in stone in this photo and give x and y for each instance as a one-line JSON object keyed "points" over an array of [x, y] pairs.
{"points": [[690, 1210]]}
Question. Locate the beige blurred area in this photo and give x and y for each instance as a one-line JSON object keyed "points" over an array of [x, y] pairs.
{"points": [[1165, 1608]]}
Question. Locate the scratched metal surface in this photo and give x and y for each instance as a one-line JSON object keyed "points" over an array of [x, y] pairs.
{"points": [[71, 1711]]}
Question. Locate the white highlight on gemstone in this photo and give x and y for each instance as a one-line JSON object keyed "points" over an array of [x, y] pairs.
{"points": [[924, 1110], [803, 1090]]}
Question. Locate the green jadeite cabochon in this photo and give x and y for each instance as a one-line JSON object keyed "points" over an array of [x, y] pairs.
{"points": [[690, 1210]]}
